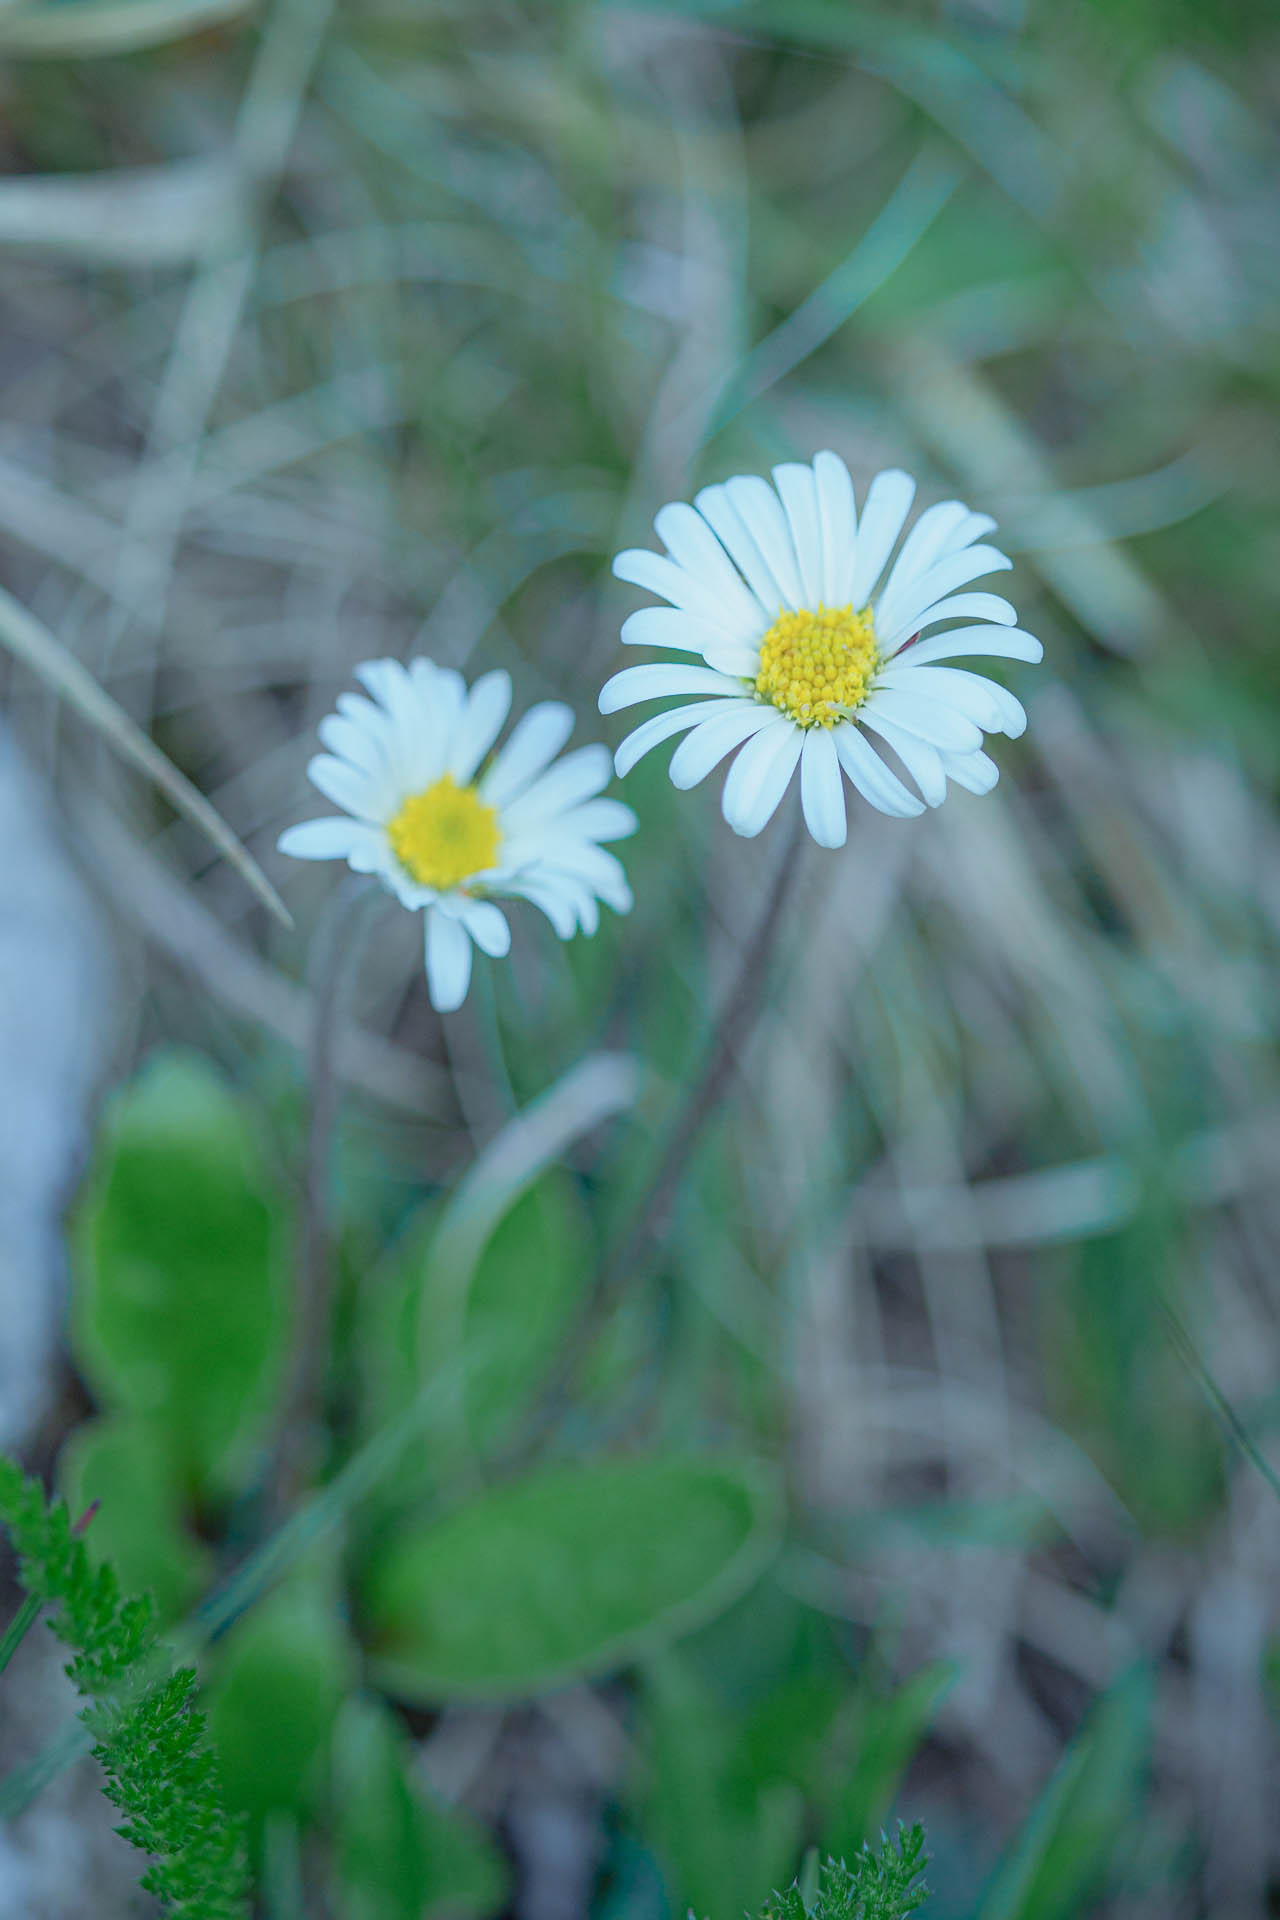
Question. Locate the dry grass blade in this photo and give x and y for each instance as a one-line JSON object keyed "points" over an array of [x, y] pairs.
{"points": [[132, 216], [32, 643], [88, 27]]}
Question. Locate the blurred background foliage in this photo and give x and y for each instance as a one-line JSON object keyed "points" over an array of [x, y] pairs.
{"points": [[898, 1481]]}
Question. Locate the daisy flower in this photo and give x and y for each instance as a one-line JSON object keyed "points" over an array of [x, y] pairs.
{"points": [[446, 835], [810, 654]]}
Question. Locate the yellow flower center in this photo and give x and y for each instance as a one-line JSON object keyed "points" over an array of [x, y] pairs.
{"points": [[816, 666], [444, 834]]}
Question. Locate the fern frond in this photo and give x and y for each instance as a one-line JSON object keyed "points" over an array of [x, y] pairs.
{"points": [[149, 1736]]}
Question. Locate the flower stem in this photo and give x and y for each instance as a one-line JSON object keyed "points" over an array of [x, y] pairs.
{"points": [[332, 963], [732, 1027]]}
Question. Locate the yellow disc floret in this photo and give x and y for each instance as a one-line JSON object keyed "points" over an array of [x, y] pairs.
{"points": [[817, 666], [444, 834]]}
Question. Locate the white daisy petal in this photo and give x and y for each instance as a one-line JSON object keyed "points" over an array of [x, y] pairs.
{"points": [[434, 719], [960, 606], [839, 518], [989, 643], [761, 513], [870, 775], [347, 740], [365, 750], [921, 548], [922, 762], [973, 527], [739, 663], [976, 771], [487, 926], [708, 744], [595, 866], [333, 838], [989, 705], [929, 719], [693, 546], [578, 777], [683, 590], [654, 681], [385, 679], [599, 820], [798, 492], [955, 571], [652, 733], [718, 510], [551, 900], [480, 725], [607, 876], [448, 950], [887, 505], [413, 725], [565, 899], [759, 777], [360, 793], [668, 627], [375, 723], [822, 789], [536, 739]]}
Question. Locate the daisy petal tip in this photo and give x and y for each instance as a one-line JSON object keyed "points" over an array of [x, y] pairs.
{"points": [[827, 834]]}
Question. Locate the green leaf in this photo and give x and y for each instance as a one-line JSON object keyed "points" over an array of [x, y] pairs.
{"points": [[181, 1292], [1060, 1857], [523, 1291], [451, 1311], [284, 1672], [724, 1833], [138, 1526], [882, 1739], [401, 1855], [570, 1571]]}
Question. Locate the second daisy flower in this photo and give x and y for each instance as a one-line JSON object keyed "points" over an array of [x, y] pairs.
{"points": [[805, 650]]}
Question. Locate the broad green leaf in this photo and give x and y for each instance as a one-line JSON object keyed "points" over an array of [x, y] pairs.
{"points": [[400, 1854], [180, 1303], [138, 1526], [276, 1692], [571, 1571], [1058, 1860]]}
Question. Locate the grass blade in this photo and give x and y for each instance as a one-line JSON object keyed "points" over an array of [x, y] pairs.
{"points": [[32, 643]]}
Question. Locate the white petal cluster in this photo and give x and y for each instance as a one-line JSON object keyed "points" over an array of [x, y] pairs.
{"points": [[419, 723], [742, 556]]}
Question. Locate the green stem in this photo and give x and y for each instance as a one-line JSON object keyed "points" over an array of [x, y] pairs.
{"points": [[648, 1223], [23, 1619], [336, 948]]}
